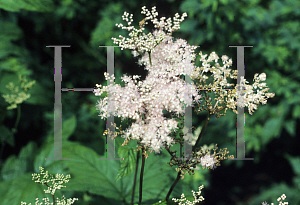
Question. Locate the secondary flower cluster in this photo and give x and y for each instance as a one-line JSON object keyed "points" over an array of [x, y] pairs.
{"points": [[146, 42], [184, 201], [56, 184], [230, 98], [18, 94], [280, 199], [202, 156]]}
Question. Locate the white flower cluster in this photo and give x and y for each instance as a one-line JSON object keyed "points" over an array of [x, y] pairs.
{"points": [[184, 201], [148, 98], [56, 184], [146, 42], [280, 199], [162, 88], [251, 99], [57, 202], [232, 97], [208, 161]]}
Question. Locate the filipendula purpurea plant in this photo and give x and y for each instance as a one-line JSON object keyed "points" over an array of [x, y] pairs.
{"points": [[53, 184], [163, 89]]}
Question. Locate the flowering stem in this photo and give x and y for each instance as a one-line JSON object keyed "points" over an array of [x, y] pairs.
{"points": [[139, 52], [194, 148], [141, 177], [173, 185], [149, 57], [52, 195], [135, 174], [14, 130]]}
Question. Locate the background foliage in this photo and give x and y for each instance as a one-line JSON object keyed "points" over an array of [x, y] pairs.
{"points": [[271, 133]]}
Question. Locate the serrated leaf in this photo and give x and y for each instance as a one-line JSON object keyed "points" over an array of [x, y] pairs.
{"points": [[15, 166], [129, 162], [98, 176], [68, 128], [21, 188]]}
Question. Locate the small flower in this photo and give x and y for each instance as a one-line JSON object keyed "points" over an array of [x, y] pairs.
{"points": [[184, 201], [208, 161]]}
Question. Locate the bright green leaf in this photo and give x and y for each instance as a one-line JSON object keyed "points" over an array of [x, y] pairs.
{"points": [[296, 112], [129, 163], [21, 188]]}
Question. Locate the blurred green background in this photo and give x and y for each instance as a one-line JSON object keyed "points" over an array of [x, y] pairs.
{"points": [[26, 132]]}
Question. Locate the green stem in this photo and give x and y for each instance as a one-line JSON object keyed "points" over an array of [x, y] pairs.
{"points": [[203, 128], [194, 148], [150, 57], [141, 177], [52, 195], [135, 174], [14, 130], [139, 52]]}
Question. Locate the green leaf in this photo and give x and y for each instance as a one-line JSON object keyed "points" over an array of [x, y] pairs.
{"points": [[7, 136], [290, 126], [215, 6], [68, 128], [21, 188], [37, 95], [129, 163], [33, 5], [14, 166], [9, 30], [296, 112], [294, 162], [7, 48], [98, 176], [191, 7], [272, 127]]}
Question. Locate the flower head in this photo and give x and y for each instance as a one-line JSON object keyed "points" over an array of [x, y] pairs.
{"points": [[208, 161]]}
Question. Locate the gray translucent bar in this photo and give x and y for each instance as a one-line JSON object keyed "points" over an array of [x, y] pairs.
{"points": [[57, 104], [110, 106], [77, 89], [187, 130], [240, 142]]}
